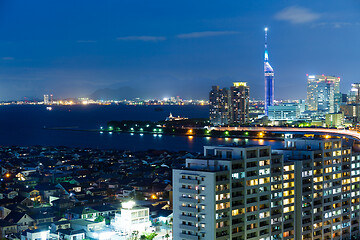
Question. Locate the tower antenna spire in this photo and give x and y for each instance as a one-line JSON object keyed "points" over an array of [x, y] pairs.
{"points": [[266, 52], [269, 79]]}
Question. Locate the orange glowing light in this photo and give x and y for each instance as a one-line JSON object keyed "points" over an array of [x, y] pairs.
{"points": [[153, 196], [7, 175]]}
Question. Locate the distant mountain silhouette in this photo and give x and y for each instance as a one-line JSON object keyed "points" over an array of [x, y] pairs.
{"points": [[116, 94]]}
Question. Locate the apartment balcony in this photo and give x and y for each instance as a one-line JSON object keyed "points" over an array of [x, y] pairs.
{"points": [[189, 200], [188, 236], [223, 218], [189, 181], [223, 200], [189, 209], [189, 218], [189, 228], [238, 188], [224, 190], [188, 190]]}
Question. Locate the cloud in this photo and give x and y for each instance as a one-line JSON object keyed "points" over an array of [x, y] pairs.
{"points": [[336, 24], [297, 15], [142, 38], [206, 34], [7, 58]]}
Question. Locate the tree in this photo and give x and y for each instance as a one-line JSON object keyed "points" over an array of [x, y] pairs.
{"points": [[148, 236], [167, 236], [99, 218]]}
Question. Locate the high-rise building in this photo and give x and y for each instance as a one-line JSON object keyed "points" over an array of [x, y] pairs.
{"points": [[334, 119], [229, 106], [308, 190], [220, 105], [269, 79], [354, 99], [240, 94], [323, 93], [46, 99]]}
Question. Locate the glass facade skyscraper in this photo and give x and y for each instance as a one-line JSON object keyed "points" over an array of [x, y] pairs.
{"points": [[269, 79], [323, 93]]}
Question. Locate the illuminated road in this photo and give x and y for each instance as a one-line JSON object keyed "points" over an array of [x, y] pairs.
{"points": [[346, 133]]}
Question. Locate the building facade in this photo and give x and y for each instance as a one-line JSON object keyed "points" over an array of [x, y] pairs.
{"points": [[46, 99], [240, 95], [334, 119], [220, 105], [228, 106], [307, 190], [284, 112], [323, 93]]}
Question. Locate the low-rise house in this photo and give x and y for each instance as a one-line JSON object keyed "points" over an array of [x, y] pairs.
{"points": [[63, 204], [10, 194], [81, 212], [23, 175], [47, 190], [71, 234], [97, 192], [125, 192], [7, 228], [105, 210], [55, 226], [4, 212], [43, 217], [68, 188], [35, 234], [90, 227], [24, 201], [22, 220], [32, 194]]}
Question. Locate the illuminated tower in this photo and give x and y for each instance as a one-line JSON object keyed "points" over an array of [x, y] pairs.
{"points": [[269, 79]]}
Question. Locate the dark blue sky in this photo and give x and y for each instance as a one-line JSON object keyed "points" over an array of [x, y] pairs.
{"points": [[167, 48]]}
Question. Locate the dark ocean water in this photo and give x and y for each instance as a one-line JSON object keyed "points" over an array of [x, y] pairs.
{"points": [[23, 125]]}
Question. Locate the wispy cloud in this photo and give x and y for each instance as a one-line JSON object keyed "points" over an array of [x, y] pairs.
{"points": [[7, 58], [206, 34], [297, 15], [336, 24], [142, 38]]}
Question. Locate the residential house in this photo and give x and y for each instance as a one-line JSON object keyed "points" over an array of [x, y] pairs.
{"points": [[32, 194], [97, 192], [63, 204], [47, 190], [35, 234], [68, 188], [10, 194], [7, 228], [46, 216], [55, 226], [4, 212], [90, 227], [81, 212], [71, 234], [105, 210], [21, 219]]}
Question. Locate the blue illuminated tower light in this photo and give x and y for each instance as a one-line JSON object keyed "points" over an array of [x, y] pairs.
{"points": [[269, 78]]}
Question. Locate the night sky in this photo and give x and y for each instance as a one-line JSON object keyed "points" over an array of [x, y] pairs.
{"points": [[166, 48]]}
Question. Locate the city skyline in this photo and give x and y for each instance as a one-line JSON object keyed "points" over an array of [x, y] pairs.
{"points": [[125, 46]]}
